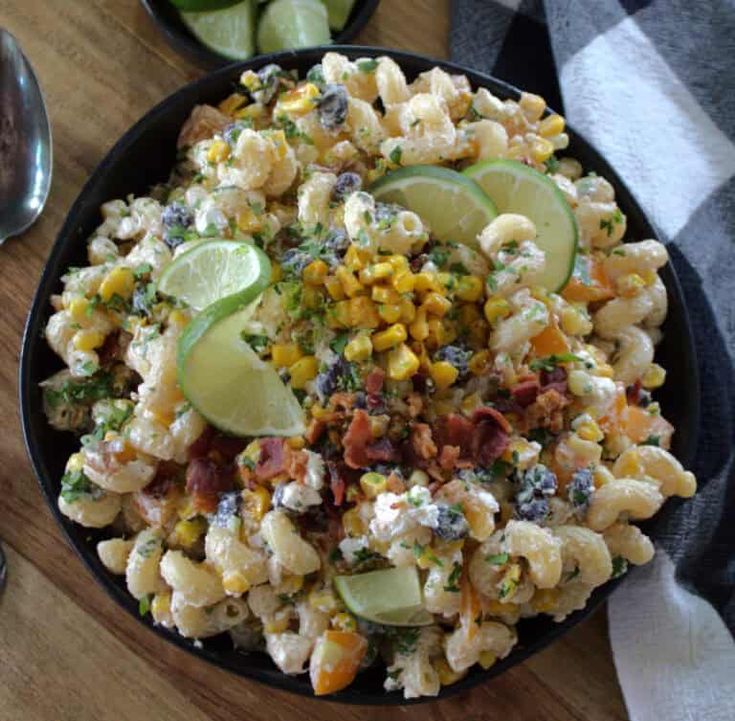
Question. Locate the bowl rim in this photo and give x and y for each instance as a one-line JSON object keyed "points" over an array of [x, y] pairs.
{"points": [[180, 39], [50, 278]]}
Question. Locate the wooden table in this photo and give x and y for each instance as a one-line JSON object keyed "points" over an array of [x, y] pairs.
{"points": [[67, 652]]}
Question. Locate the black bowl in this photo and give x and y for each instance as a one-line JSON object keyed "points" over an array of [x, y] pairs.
{"points": [[143, 157], [166, 17]]}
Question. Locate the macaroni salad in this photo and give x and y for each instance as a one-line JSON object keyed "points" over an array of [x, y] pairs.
{"points": [[462, 421]]}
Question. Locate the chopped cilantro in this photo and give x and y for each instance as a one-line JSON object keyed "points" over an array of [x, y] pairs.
{"points": [[257, 342], [339, 343], [144, 604], [548, 363], [141, 270], [75, 484], [497, 559], [73, 392], [652, 441], [552, 164], [395, 155], [439, 255], [453, 579], [367, 66], [608, 224], [619, 566]]}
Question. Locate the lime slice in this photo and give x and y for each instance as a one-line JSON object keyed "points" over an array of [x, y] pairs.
{"points": [[230, 31], [339, 12], [203, 5], [287, 24], [390, 596], [454, 206], [223, 378], [516, 188], [214, 269]]}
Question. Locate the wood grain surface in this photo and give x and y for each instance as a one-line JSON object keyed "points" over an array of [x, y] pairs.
{"points": [[67, 652]]}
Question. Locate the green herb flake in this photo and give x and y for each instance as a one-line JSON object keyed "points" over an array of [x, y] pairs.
{"points": [[395, 155], [453, 579], [367, 66], [548, 363], [497, 559], [144, 604]]}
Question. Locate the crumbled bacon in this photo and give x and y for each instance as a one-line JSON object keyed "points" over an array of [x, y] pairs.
{"points": [[525, 391], [633, 393], [339, 476], [167, 475], [201, 445], [422, 442], [455, 430], [374, 381], [356, 440], [546, 411], [296, 464], [554, 380], [205, 479], [448, 457], [415, 404], [227, 446], [383, 451], [395, 484], [314, 431], [110, 350], [342, 400], [272, 459]]}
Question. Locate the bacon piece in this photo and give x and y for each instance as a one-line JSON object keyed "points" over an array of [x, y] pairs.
{"points": [[415, 404], [110, 350], [272, 459], [422, 441], [201, 445], [525, 391], [296, 463], [554, 380], [356, 440], [395, 484], [486, 413], [167, 475], [546, 411], [448, 457], [205, 480], [455, 430], [227, 446], [314, 431], [374, 381], [337, 481], [633, 393], [491, 435], [346, 401]]}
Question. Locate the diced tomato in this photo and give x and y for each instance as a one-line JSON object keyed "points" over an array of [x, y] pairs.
{"points": [[336, 660]]}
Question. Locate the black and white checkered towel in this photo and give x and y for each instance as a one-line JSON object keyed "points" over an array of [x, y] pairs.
{"points": [[651, 83]]}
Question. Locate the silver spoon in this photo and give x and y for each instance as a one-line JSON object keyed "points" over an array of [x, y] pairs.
{"points": [[25, 141]]}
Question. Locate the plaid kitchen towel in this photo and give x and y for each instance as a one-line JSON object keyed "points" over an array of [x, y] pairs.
{"points": [[651, 84]]}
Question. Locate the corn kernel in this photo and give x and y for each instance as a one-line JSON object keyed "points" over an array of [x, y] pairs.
{"points": [[75, 463], [279, 142], [471, 403], [315, 272], [446, 675], [324, 600], [356, 258], [486, 659], [541, 149], [351, 285], [437, 334], [87, 340], [545, 600], [119, 281], [218, 152], [653, 377], [78, 309], [248, 222], [574, 321], [359, 348], [344, 621], [252, 111], [178, 318], [232, 103], [250, 80], [374, 273], [303, 370], [338, 315], [436, 304], [256, 502], [390, 312], [291, 584], [373, 484], [469, 288], [605, 369], [276, 272], [443, 374], [399, 262], [551, 126], [408, 310], [312, 297], [480, 363], [629, 285], [590, 431], [389, 337], [379, 425], [334, 288], [496, 308], [402, 363], [299, 101], [427, 558], [532, 106], [382, 294], [296, 442], [404, 281], [353, 524], [649, 276], [418, 478], [352, 494], [427, 281], [161, 608], [188, 532], [419, 328], [235, 583], [363, 313], [284, 355]]}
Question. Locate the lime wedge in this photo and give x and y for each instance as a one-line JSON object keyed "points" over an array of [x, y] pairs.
{"points": [[339, 12], [229, 31], [454, 206], [287, 24], [390, 596], [223, 378], [203, 5], [215, 269], [516, 188]]}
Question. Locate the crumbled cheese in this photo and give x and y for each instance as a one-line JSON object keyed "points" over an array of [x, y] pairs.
{"points": [[396, 515], [314, 471], [351, 546], [298, 496]]}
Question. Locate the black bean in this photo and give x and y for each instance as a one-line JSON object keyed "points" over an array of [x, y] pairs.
{"points": [[332, 108], [346, 183]]}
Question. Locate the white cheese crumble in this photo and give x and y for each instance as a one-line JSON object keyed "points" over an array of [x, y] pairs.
{"points": [[398, 514]]}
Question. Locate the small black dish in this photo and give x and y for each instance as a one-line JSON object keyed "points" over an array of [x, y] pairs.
{"points": [[143, 157], [167, 19]]}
